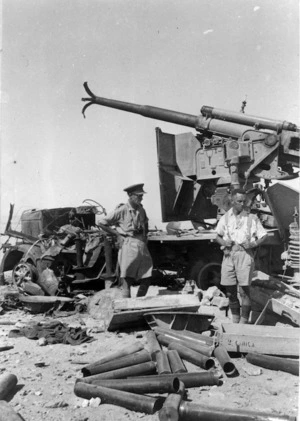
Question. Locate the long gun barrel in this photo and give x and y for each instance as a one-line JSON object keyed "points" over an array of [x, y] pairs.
{"points": [[144, 110], [213, 119]]}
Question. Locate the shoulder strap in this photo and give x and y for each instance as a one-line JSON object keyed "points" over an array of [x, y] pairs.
{"points": [[249, 222], [226, 218]]}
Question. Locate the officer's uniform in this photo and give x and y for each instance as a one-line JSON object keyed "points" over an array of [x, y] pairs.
{"points": [[132, 223]]}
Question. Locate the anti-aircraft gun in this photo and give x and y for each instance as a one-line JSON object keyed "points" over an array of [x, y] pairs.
{"points": [[229, 150]]}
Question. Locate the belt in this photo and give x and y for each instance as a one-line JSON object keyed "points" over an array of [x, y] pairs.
{"points": [[237, 247], [135, 237]]}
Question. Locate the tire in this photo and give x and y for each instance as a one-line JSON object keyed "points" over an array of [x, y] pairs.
{"points": [[24, 272], [206, 274]]}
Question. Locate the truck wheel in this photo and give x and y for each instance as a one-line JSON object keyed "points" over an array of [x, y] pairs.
{"points": [[24, 272], [206, 274]]}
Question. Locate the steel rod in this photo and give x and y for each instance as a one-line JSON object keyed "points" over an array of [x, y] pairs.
{"points": [[193, 379], [153, 345], [166, 339], [156, 384], [131, 349], [170, 409], [162, 363], [126, 361], [121, 373], [176, 362], [128, 400], [192, 356], [7, 383], [225, 361], [274, 363], [193, 412], [185, 334]]}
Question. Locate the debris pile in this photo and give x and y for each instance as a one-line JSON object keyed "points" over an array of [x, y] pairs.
{"points": [[190, 349], [12, 299], [213, 296], [134, 376]]}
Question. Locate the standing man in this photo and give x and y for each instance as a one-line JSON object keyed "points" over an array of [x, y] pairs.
{"points": [[134, 259], [239, 233]]}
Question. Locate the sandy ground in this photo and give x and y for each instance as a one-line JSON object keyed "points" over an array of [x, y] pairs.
{"points": [[46, 377]]}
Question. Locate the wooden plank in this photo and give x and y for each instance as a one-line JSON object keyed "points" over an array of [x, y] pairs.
{"points": [[261, 330], [143, 303], [262, 339], [128, 319], [271, 345]]}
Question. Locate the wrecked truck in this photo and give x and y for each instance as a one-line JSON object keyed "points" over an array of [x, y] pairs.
{"points": [[197, 172], [57, 250]]}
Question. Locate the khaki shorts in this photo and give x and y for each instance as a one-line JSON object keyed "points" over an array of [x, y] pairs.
{"points": [[134, 259], [237, 268]]}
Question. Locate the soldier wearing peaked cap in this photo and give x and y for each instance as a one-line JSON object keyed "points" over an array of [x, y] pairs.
{"points": [[131, 221], [136, 189]]}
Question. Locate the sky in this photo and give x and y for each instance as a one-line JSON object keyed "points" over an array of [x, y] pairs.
{"points": [[172, 54]]}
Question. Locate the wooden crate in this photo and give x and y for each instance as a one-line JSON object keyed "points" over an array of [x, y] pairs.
{"points": [[271, 340]]}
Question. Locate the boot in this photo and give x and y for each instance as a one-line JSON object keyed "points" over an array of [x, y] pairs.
{"points": [[108, 283], [234, 303], [143, 288], [236, 318], [245, 314], [235, 312], [243, 321]]}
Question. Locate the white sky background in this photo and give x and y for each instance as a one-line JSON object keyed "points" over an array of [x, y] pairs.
{"points": [[178, 55]]}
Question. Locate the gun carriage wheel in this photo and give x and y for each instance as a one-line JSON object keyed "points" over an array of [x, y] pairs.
{"points": [[206, 274]]}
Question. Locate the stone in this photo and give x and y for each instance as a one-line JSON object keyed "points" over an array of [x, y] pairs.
{"points": [[42, 342], [252, 371], [85, 403], [94, 402]]}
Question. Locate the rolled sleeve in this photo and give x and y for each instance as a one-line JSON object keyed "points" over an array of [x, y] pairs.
{"points": [[220, 229], [112, 218], [260, 231]]}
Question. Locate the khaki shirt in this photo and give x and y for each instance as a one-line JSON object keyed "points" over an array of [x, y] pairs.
{"points": [[237, 229], [128, 221]]}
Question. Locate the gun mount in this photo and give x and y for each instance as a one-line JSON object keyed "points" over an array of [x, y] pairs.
{"points": [[229, 150]]}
